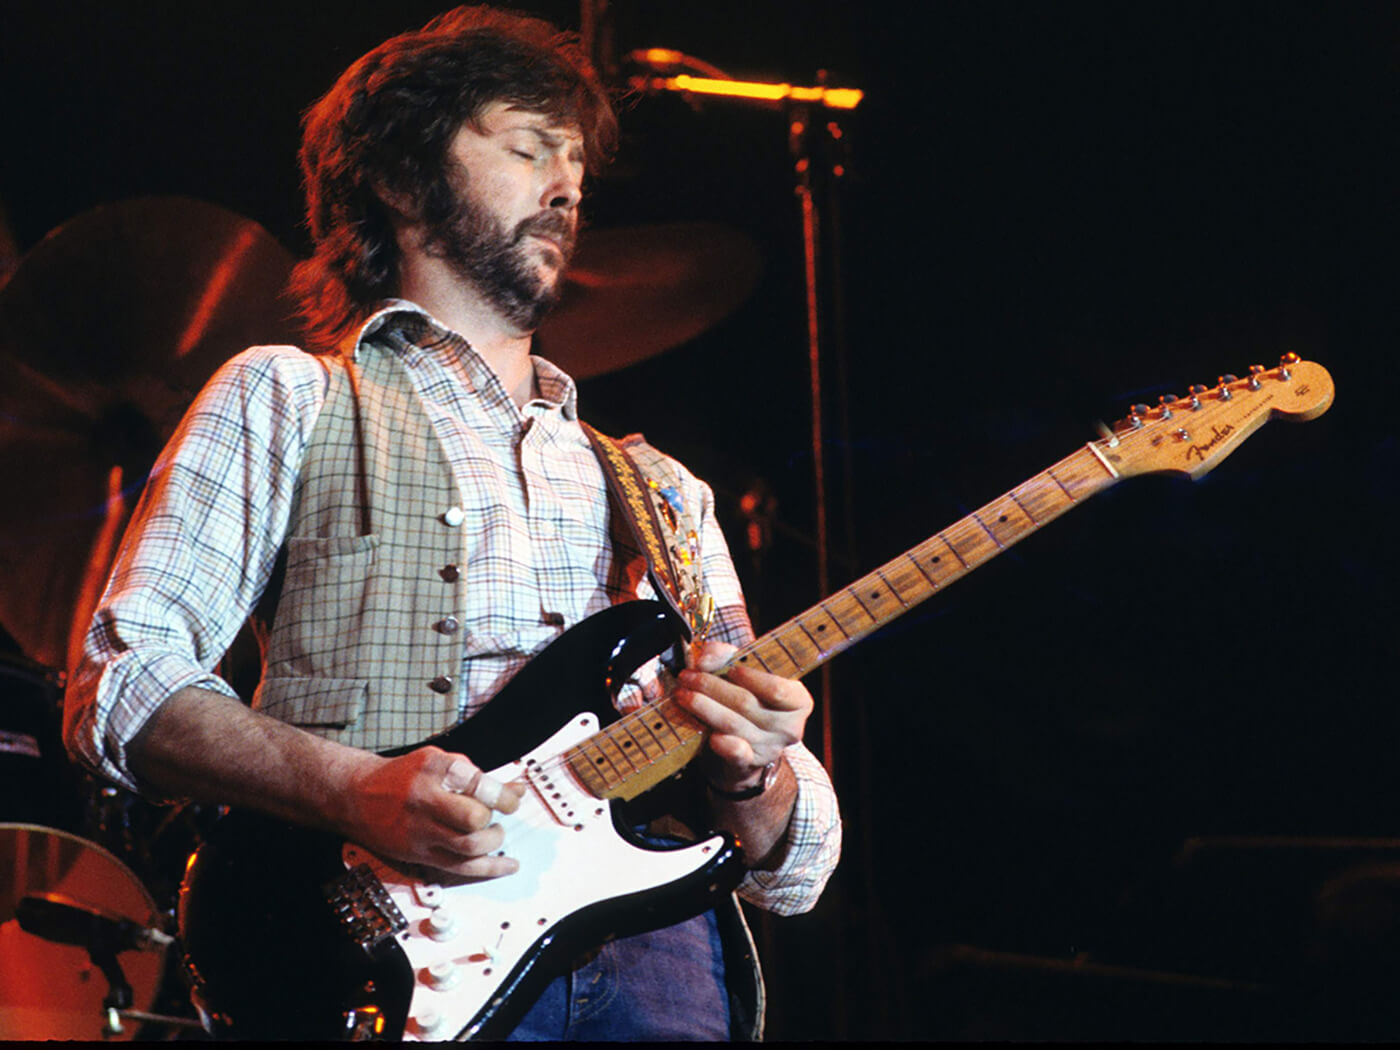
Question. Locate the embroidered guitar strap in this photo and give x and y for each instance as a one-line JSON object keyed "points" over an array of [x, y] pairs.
{"points": [[670, 549]]}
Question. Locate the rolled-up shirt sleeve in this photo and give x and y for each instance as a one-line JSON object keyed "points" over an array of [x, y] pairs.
{"points": [[198, 552]]}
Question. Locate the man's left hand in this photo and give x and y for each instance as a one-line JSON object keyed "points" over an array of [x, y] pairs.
{"points": [[752, 716]]}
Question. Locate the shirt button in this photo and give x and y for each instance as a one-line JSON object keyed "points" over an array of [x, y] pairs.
{"points": [[441, 684], [450, 573], [447, 625], [454, 516]]}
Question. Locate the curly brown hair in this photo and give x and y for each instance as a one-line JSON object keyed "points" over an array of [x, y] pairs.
{"points": [[384, 129]]}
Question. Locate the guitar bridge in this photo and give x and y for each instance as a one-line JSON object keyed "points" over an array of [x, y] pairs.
{"points": [[364, 908]]}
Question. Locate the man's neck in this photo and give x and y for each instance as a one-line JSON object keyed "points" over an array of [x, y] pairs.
{"points": [[431, 284]]}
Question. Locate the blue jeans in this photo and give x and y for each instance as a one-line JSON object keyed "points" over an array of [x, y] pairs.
{"points": [[666, 985]]}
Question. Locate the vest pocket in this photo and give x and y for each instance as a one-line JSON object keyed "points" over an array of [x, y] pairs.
{"points": [[327, 703], [312, 553], [322, 605]]}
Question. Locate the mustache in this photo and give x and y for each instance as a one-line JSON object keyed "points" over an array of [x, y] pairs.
{"points": [[552, 224]]}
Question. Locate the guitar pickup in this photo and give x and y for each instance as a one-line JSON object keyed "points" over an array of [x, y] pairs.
{"points": [[364, 908], [555, 786]]}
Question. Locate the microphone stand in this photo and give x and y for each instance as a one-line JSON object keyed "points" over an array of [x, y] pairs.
{"points": [[805, 106]]}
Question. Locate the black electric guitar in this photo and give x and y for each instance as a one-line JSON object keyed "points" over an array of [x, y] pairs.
{"points": [[290, 933]]}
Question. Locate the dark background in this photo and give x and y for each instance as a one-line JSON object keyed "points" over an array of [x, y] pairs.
{"points": [[1051, 212]]}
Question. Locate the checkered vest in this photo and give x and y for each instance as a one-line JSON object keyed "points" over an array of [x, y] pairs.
{"points": [[365, 647]]}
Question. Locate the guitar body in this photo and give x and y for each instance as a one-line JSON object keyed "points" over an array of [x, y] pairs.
{"points": [[296, 934]]}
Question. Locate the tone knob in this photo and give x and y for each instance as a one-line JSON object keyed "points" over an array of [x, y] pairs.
{"points": [[427, 1021], [442, 974]]}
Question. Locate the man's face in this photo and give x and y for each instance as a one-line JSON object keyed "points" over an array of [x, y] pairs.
{"points": [[518, 179]]}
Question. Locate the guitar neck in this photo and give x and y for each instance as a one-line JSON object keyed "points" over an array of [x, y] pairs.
{"points": [[834, 624], [644, 747]]}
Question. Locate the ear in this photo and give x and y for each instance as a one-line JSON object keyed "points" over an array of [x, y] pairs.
{"points": [[405, 209]]}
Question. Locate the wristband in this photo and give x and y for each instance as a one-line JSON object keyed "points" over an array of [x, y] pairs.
{"points": [[770, 776]]}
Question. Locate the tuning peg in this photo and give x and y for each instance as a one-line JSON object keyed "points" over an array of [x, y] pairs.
{"points": [[1255, 371], [1135, 414], [1197, 389], [1166, 401], [1225, 381], [1285, 362]]}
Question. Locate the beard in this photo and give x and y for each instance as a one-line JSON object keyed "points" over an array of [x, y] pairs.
{"points": [[498, 262]]}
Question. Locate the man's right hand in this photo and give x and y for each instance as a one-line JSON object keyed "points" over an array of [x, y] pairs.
{"points": [[434, 808], [427, 807]]}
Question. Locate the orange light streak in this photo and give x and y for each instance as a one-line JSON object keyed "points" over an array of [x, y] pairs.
{"points": [[224, 273], [833, 98]]}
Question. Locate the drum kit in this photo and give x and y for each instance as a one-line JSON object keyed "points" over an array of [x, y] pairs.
{"points": [[108, 328]]}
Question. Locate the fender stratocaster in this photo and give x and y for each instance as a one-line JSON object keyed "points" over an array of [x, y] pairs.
{"points": [[296, 934]]}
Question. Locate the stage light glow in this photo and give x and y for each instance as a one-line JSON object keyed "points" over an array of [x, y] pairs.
{"points": [[833, 98]]}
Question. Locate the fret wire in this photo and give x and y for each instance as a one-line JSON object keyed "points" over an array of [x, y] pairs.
{"points": [[616, 775], [1024, 509], [931, 581], [942, 536], [834, 618], [891, 587], [778, 641], [978, 518], [641, 715], [622, 724], [610, 733], [1055, 478], [853, 591], [810, 636]]}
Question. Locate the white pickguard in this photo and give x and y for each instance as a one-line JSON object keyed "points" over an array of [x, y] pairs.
{"points": [[464, 940]]}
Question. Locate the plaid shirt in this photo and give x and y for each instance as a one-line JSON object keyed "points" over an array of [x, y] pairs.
{"points": [[203, 541]]}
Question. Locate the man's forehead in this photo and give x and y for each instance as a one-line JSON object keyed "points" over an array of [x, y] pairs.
{"points": [[508, 116]]}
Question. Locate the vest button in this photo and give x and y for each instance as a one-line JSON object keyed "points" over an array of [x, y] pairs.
{"points": [[454, 516], [441, 684], [450, 573], [447, 625]]}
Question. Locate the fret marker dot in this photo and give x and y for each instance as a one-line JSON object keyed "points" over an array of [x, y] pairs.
{"points": [[1002, 518]]}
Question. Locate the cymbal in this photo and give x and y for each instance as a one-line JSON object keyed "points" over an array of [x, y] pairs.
{"points": [[108, 328], [634, 292]]}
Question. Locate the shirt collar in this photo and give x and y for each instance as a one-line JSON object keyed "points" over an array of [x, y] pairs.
{"points": [[557, 387]]}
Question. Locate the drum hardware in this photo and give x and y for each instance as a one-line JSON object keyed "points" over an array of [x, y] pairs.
{"points": [[65, 921], [68, 910]]}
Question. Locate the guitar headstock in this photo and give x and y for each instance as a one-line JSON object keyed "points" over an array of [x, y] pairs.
{"points": [[1190, 435]]}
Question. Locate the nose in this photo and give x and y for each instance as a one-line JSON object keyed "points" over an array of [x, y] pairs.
{"points": [[563, 187]]}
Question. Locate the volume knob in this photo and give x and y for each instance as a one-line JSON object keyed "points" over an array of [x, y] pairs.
{"points": [[440, 924]]}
